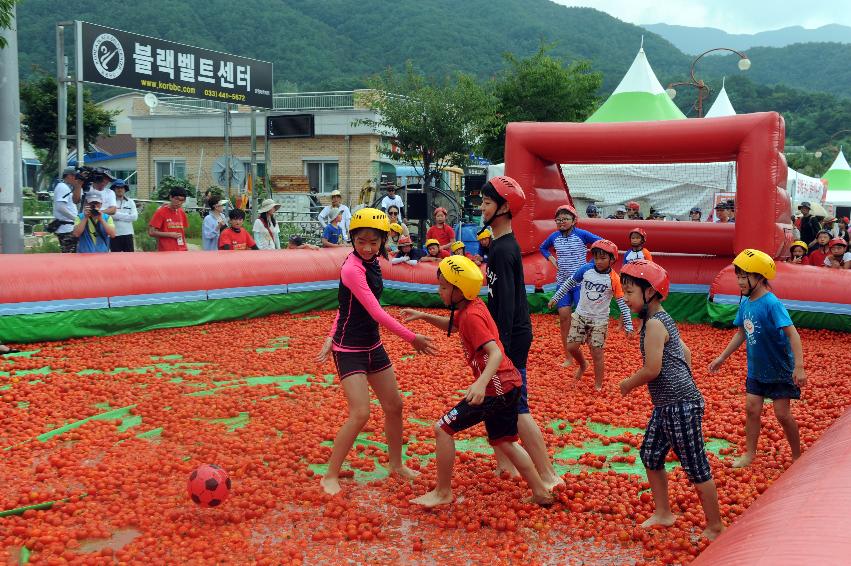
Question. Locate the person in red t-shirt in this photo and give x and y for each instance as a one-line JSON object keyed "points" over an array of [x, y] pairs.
{"points": [[433, 251], [822, 249], [169, 223], [441, 231], [492, 398], [235, 237]]}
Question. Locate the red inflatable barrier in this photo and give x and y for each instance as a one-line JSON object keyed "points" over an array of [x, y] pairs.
{"points": [[802, 518], [795, 283]]}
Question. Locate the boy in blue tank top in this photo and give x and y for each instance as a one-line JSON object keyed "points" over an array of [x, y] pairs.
{"points": [[677, 419]]}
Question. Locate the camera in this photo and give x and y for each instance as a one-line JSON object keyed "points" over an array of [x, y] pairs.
{"points": [[93, 210]]}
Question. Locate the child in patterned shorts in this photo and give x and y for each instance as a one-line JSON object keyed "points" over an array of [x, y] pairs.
{"points": [[676, 422]]}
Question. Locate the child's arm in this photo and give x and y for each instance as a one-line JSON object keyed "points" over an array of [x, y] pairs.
{"points": [[617, 292], [798, 374], [737, 340], [476, 392], [562, 291], [410, 315], [544, 248], [686, 353], [655, 336]]}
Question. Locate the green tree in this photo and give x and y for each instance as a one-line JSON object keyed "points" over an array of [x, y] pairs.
{"points": [[168, 182], [540, 88], [431, 124], [6, 8], [38, 105]]}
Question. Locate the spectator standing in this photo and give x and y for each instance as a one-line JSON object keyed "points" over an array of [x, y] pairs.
{"points": [[395, 216], [723, 213], [591, 211], [843, 229], [65, 196], [101, 179], [633, 211], [169, 223], [808, 225], [266, 230], [124, 217], [213, 224], [332, 234], [695, 214], [441, 231], [821, 249], [92, 228], [325, 215], [235, 237], [392, 198], [619, 214]]}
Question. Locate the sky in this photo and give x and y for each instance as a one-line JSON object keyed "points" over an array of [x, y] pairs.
{"points": [[732, 16]]}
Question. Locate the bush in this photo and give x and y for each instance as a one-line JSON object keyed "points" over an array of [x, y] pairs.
{"points": [[140, 228], [168, 182], [195, 222], [49, 245]]}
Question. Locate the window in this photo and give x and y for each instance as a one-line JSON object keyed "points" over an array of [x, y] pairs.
{"points": [[112, 130], [322, 176], [174, 167]]}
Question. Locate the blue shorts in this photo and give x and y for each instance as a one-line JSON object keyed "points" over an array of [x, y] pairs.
{"points": [[523, 402], [773, 390], [678, 426], [571, 299]]}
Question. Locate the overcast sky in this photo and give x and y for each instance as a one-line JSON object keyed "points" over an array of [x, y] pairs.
{"points": [[732, 16]]}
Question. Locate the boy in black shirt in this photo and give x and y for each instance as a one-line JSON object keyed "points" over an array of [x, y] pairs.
{"points": [[501, 198]]}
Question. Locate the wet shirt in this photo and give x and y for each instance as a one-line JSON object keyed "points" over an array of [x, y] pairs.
{"points": [[770, 357]]}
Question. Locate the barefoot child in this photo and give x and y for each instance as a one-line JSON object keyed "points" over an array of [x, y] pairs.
{"points": [[677, 416], [493, 397], [570, 245], [775, 354], [597, 283], [356, 346]]}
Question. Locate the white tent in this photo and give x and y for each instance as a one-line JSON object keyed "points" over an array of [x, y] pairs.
{"points": [[722, 105]]}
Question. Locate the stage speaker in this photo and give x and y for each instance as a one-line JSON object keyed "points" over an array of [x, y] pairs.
{"points": [[417, 208]]}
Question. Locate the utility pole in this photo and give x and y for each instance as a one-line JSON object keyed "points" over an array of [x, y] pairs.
{"points": [[11, 194]]}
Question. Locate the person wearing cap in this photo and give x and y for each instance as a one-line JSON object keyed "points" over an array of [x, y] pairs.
{"points": [[808, 225], [620, 213], [440, 230], [65, 196], [839, 257], [124, 217], [633, 211], [844, 233], [325, 215], [392, 198], [266, 230], [723, 213], [484, 237], [695, 214], [829, 224], [397, 231], [591, 211], [213, 224], [406, 253], [332, 234], [100, 183], [92, 228]]}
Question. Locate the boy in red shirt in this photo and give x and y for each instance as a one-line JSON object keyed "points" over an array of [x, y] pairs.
{"points": [[235, 237], [822, 249], [433, 251], [441, 231], [492, 398], [169, 223]]}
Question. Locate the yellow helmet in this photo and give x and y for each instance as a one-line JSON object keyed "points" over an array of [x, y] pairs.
{"points": [[486, 233], [461, 272], [429, 242], [801, 244], [755, 261], [396, 227], [459, 245], [369, 218]]}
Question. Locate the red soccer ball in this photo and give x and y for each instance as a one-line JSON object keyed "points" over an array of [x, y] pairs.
{"points": [[209, 485]]}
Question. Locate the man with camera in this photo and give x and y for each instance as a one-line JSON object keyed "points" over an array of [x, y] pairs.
{"points": [[92, 228], [65, 196], [100, 178]]}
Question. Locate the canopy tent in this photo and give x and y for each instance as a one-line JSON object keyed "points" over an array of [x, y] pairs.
{"points": [[722, 105], [638, 98], [838, 179]]}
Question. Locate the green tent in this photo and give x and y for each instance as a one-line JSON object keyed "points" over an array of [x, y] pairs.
{"points": [[638, 98], [838, 179]]}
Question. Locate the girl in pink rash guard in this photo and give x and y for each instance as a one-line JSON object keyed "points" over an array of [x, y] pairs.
{"points": [[355, 343]]}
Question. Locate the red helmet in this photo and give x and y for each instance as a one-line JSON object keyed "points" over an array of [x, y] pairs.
{"points": [[632, 205], [568, 209], [640, 232], [404, 241], [606, 246], [651, 272], [440, 209], [837, 242], [510, 191]]}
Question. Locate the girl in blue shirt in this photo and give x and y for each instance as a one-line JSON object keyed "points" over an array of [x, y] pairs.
{"points": [[775, 354]]}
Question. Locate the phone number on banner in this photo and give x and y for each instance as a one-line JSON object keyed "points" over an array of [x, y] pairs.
{"points": [[228, 95]]}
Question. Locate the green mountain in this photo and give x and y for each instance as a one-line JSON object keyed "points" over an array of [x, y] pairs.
{"points": [[695, 40], [336, 44]]}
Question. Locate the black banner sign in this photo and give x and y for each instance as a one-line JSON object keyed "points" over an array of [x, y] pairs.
{"points": [[119, 58]]}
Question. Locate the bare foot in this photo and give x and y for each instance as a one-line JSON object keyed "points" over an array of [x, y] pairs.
{"points": [[434, 498], [331, 486], [544, 500], [553, 483], [566, 363], [581, 369], [712, 533], [404, 472], [665, 520], [512, 472], [598, 386], [743, 461]]}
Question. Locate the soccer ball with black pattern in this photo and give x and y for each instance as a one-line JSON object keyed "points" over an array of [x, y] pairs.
{"points": [[209, 485]]}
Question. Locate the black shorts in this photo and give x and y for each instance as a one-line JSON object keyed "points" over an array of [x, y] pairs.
{"points": [[371, 361], [499, 414], [121, 243], [774, 390]]}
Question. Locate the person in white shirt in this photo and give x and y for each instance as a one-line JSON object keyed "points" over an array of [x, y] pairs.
{"points": [[100, 183], [124, 217], [266, 228], [65, 196], [336, 203], [392, 198]]}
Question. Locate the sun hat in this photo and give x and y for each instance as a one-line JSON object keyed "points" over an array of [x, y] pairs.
{"points": [[267, 205]]}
